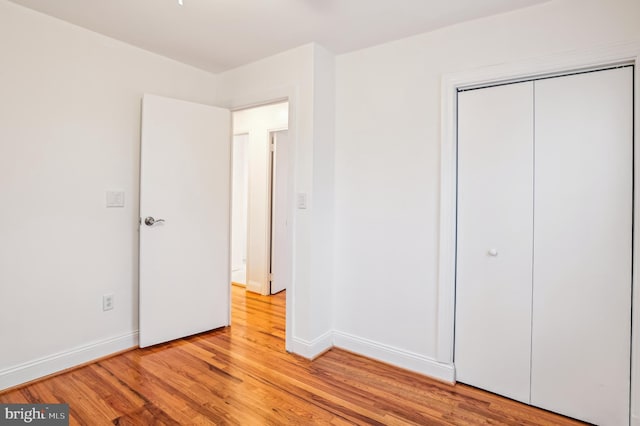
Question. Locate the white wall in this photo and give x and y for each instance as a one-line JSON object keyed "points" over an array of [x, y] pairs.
{"points": [[239, 208], [300, 75], [387, 164], [257, 123], [69, 130], [321, 255]]}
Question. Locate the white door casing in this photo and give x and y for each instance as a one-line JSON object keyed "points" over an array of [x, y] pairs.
{"points": [[184, 180], [259, 122], [627, 52]]}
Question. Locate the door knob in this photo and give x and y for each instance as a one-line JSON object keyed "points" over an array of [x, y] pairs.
{"points": [[493, 252], [150, 221]]}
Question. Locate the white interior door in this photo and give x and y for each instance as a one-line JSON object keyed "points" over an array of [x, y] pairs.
{"points": [[583, 236], [495, 232], [185, 187], [279, 213]]}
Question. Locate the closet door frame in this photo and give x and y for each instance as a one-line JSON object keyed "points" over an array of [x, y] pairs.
{"points": [[603, 57]]}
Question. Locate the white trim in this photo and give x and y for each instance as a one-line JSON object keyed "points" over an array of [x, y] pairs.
{"points": [[252, 285], [395, 356], [635, 321], [628, 52], [287, 93], [312, 349], [45, 366]]}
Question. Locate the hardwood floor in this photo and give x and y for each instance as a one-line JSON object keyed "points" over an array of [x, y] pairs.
{"points": [[242, 375]]}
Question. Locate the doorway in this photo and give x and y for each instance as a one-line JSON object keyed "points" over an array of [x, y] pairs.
{"points": [[260, 198]]}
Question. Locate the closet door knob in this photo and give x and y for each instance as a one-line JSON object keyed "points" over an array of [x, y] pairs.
{"points": [[493, 252]]}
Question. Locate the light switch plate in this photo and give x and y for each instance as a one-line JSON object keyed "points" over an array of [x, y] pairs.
{"points": [[115, 198]]}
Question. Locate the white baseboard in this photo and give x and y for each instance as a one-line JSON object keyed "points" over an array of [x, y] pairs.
{"points": [[394, 356], [312, 349], [239, 276], [254, 286], [45, 366]]}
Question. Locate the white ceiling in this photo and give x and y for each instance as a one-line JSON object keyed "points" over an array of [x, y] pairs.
{"points": [[217, 35]]}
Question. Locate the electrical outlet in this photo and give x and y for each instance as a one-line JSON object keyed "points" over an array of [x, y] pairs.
{"points": [[107, 302]]}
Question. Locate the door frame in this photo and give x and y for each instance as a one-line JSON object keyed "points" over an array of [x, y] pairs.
{"points": [[562, 63], [285, 94], [265, 288]]}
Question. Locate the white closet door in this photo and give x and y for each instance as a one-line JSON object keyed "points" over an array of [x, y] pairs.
{"points": [[495, 232], [582, 267]]}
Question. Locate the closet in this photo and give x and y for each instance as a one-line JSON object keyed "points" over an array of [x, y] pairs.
{"points": [[544, 242]]}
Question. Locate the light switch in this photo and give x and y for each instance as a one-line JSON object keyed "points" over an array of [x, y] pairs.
{"points": [[115, 198], [301, 200]]}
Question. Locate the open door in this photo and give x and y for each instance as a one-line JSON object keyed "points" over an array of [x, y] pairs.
{"points": [[279, 212], [184, 209]]}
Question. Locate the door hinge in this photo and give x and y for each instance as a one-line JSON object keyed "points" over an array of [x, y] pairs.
{"points": [[271, 277], [272, 147]]}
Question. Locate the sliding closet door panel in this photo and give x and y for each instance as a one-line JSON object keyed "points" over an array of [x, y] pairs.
{"points": [[495, 217], [582, 239]]}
